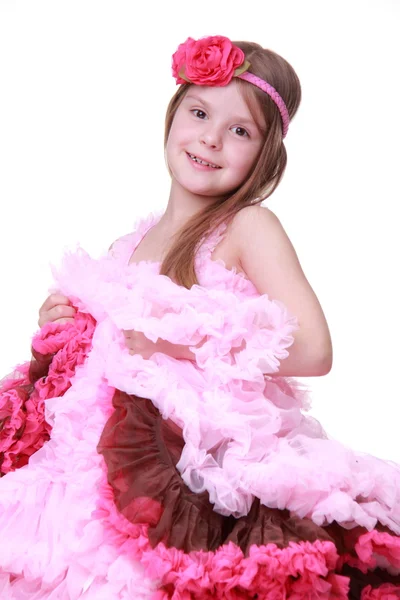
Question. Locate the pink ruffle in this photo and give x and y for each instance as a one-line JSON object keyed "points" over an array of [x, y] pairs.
{"points": [[301, 570], [374, 549], [56, 547], [23, 428], [388, 591], [245, 435], [71, 343], [153, 304], [375, 545]]}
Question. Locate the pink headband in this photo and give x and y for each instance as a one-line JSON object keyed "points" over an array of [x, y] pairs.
{"points": [[214, 61]]}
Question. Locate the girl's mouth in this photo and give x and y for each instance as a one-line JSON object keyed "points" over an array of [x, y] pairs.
{"points": [[202, 162]]}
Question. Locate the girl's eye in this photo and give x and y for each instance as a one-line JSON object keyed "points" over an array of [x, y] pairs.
{"points": [[241, 132], [199, 113]]}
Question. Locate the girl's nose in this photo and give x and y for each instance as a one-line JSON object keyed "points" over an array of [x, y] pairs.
{"points": [[211, 138]]}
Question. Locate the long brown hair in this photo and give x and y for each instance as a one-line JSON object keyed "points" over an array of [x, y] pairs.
{"points": [[266, 172]]}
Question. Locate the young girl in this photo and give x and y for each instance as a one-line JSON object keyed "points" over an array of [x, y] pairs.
{"points": [[155, 446]]}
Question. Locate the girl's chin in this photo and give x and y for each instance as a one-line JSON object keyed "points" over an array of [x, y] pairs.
{"points": [[199, 190], [210, 195], [203, 189]]}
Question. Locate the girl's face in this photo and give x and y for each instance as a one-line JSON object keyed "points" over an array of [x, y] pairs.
{"points": [[213, 141]]}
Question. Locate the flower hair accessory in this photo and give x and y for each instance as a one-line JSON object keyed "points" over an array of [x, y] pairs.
{"points": [[214, 61]]}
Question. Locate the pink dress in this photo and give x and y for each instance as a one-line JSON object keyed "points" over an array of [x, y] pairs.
{"points": [[127, 478]]}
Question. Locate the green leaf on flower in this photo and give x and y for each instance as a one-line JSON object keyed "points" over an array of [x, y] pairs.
{"points": [[182, 75], [244, 67]]}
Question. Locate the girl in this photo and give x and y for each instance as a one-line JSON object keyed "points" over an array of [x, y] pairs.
{"points": [[155, 445]]}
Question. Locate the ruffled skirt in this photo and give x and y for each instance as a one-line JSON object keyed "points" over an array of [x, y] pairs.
{"points": [[99, 510], [197, 553]]}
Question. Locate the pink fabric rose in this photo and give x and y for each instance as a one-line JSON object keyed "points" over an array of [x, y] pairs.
{"points": [[208, 61]]}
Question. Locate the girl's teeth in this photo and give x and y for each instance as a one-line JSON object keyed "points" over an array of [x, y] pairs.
{"points": [[202, 162]]}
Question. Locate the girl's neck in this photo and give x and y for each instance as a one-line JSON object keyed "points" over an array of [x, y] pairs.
{"points": [[182, 205]]}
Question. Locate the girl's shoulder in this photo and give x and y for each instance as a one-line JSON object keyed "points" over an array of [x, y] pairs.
{"points": [[244, 221], [263, 245], [250, 213], [228, 245]]}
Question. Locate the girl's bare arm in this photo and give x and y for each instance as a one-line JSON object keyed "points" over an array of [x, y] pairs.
{"points": [[269, 260]]}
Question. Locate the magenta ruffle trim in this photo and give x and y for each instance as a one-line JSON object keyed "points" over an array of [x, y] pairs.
{"points": [[23, 428], [70, 344], [374, 549], [227, 574], [295, 571], [387, 591]]}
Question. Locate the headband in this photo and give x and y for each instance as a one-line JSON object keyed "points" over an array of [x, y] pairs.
{"points": [[214, 61]]}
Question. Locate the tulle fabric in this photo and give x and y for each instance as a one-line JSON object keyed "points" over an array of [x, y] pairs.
{"points": [[141, 451], [56, 546], [56, 352], [269, 551], [245, 434], [295, 514]]}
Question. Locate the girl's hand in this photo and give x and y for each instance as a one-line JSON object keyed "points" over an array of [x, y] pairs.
{"points": [[138, 343], [56, 309]]}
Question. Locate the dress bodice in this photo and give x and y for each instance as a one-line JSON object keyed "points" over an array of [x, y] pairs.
{"points": [[210, 273]]}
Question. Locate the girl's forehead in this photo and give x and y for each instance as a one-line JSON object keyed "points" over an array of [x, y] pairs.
{"points": [[216, 93], [227, 97]]}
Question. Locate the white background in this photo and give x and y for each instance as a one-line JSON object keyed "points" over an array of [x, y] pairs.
{"points": [[83, 90]]}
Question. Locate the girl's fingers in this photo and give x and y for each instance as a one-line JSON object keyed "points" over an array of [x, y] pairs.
{"points": [[63, 321], [60, 313], [52, 301]]}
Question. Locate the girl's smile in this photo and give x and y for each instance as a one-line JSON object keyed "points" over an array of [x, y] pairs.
{"points": [[202, 163], [213, 131]]}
